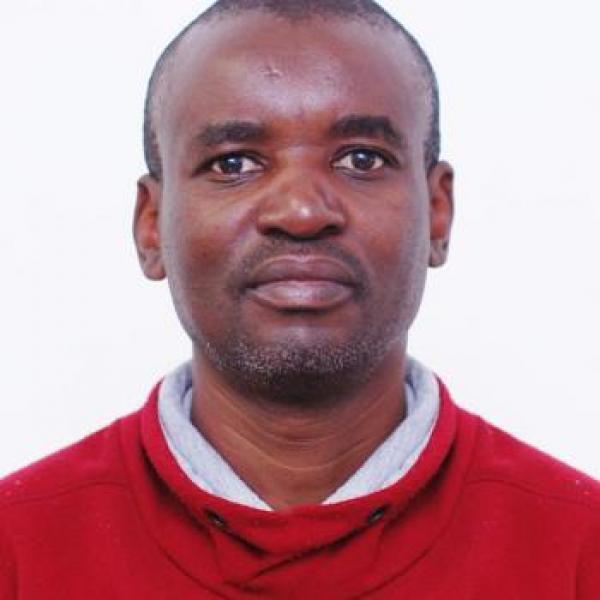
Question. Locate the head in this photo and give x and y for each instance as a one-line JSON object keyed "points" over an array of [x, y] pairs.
{"points": [[367, 11], [295, 197]]}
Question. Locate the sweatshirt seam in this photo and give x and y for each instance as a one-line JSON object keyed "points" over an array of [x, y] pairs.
{"points": [[8, 504], [523, 487]]}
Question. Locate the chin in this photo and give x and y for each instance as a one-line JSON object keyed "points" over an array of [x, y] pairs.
{"points": [[305, 368]]}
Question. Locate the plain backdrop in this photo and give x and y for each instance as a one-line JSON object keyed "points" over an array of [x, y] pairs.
{"points": [[511, 323]]}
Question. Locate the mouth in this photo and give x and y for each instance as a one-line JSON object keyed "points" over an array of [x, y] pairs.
{"points": [[302, 283]]}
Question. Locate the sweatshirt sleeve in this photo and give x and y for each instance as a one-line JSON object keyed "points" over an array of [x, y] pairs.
{"points": [[8, 578], [588, 576]]}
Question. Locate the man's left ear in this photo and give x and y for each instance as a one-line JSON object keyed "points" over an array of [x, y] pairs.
{"points": [[441, 211]]}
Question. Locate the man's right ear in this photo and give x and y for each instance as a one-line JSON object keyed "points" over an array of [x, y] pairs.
{"points": [[146, 229]]}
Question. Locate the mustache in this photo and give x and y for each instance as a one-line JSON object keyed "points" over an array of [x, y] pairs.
{"points": [[279, 246]]}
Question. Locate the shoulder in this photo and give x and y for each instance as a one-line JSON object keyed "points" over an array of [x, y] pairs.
{"points": [[529, 504], [94, 460], [504, 461], [65, 499]]}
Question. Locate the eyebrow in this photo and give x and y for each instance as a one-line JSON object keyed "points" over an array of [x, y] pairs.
{"points": [[367, 126], [233, 132], [355, 125]]}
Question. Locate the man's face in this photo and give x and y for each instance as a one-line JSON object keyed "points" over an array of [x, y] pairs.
{"points": [[294, 218]]}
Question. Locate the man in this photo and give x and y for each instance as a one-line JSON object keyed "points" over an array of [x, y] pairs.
{"points": [[294, 201]]}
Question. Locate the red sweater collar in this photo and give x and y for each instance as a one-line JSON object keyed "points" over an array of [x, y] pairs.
{"points": [[247, 542]]}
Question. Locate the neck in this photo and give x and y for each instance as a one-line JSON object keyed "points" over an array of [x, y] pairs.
{"points": [[290, 455]]}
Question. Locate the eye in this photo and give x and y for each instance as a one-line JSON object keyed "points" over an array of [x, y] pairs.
{"points": [[234, 164], [360, 159]]}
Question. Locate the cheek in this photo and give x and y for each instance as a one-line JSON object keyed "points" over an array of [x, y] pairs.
{"points": [[398, 244], [198, 234], [201, 235], [196, 251], [399, 238]]}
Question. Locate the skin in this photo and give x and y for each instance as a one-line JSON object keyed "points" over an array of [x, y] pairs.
{"points": [[349, 217]]}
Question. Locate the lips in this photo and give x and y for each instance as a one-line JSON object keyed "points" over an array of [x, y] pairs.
{"points": [[302, 283]]}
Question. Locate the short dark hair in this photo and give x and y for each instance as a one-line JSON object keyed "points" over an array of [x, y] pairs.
{"points": [[295, 10]]}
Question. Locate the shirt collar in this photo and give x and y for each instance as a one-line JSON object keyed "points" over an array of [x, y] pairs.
{"points": [[207, 469]]}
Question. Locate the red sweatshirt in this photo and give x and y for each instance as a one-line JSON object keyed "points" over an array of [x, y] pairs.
{"points": [[480, 516]]}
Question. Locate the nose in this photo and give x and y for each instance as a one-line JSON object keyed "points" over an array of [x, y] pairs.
{"points": [[302, 206]]}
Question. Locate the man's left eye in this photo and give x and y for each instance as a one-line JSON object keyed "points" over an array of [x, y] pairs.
{"points": [[362, 160]]}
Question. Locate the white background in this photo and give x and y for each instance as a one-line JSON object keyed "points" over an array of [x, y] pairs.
{"points": [[511, 323]]}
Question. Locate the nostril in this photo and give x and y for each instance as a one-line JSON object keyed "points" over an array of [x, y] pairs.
{"points": [[302, 235], [329, 231]]}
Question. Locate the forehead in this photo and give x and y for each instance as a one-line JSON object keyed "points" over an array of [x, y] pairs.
{"points": [[260, 67]]}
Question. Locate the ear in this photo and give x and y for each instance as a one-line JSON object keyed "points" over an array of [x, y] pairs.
{"points": [[441, 211], [146, 230]]}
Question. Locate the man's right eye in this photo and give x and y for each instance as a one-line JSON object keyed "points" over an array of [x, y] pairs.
{"points": [[234, 164]]}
